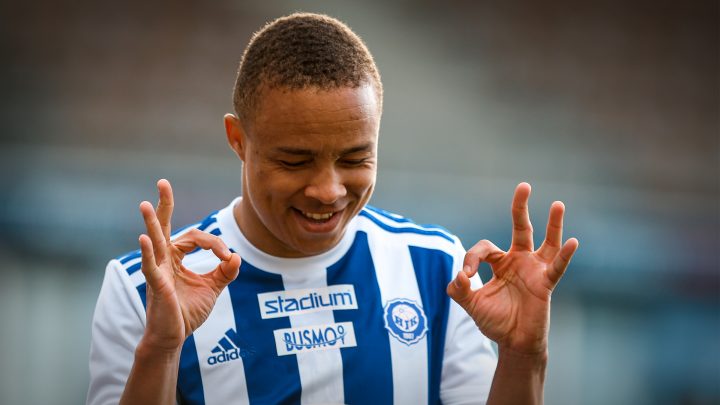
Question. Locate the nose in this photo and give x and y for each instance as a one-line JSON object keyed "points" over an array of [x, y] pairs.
{"points": [[326, 186]]}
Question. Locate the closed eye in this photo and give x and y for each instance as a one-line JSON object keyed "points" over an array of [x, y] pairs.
{"points": [[293, 164], [355, 162]]}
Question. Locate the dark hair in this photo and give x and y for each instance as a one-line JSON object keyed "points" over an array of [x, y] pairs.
{"points": [[300, 51]]}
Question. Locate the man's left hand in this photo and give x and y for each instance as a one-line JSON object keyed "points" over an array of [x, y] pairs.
{"points": [[513, 308]]}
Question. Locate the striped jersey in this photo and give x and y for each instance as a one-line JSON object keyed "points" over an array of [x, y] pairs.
{"points": [[365, 322]]}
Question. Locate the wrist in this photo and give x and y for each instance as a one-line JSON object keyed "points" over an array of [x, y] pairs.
{"points": [[519, 377], [152, 348], [523, 360]]}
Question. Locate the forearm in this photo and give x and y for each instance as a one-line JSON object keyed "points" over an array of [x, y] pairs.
{"points": [[153, 378], [519, 378]]}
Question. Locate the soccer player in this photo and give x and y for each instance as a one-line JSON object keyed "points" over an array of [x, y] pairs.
{"points": [[300, 292]]}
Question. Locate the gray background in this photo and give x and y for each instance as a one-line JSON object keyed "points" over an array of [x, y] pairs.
{"points": [[610, 106]]}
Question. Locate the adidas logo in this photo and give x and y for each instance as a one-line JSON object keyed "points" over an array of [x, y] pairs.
{"points": [[228, 349]]}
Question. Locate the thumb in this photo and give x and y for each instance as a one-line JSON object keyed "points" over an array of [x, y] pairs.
{"points": [[459, 289]]}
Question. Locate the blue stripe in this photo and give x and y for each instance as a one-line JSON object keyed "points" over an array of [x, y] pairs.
{"points": [[403, 220], [271, 379], [189, 384], [142, 290], [129, 256], [433, 271], [135, 267], [211, 219], [405, 229], [367, 368], [387, 214]]}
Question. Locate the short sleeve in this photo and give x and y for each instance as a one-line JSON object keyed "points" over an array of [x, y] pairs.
{"points": [[117, 326], [469, 361]]}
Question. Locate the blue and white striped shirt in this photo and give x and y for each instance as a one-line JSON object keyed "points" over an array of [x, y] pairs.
{"points": [[365, 322]]}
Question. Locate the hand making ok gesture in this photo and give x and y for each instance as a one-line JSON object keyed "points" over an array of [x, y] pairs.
{"points": [[178, 300], [513, 308]]}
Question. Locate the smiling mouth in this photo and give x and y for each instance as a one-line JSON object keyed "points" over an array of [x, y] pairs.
{"points": [[323, 223], [318, 216]]}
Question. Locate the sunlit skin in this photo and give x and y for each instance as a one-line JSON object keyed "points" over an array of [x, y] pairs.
{"points": [[178, 299], [184, 297], [513, 308], [309, 166]]}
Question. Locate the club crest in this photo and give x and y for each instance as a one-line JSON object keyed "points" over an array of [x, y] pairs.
{"points": [[405, 320]]}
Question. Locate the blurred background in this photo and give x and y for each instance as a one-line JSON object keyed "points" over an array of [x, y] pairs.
{"points": [[611, 106]]}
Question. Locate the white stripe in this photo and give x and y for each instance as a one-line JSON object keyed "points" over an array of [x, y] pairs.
{"points": [[396, 279], [225, 382], [321, 372]]}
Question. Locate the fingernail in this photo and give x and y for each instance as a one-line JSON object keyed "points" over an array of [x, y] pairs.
{"points": [[466, 269], [457, 282]]}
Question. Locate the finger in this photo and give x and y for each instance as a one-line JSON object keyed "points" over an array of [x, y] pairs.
{"points": [[553, 235], [165, 207], [226, 271], [522, 235], [459, 289], [154, 231], [560, 264], [483, 251], [149, 266], [195, 238]]}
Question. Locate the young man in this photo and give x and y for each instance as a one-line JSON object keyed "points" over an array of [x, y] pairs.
{"points": [[298, 292]]}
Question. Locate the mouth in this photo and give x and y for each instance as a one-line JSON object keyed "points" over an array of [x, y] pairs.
{"points": [[318, 222], [320, 217]]}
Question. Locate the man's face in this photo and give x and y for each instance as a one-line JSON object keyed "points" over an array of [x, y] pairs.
{"points": [[310, 161]]}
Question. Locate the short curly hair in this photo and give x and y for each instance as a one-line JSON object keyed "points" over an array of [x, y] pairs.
{"points": [[301, 51]]}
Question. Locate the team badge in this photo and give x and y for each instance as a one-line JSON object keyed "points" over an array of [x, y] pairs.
{"points": [[405, 320]]}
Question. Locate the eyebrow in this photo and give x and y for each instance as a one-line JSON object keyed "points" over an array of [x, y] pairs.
{"points": [[305, 152]]}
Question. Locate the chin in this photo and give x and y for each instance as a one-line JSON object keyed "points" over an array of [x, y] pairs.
{"points": [[316, 247]]}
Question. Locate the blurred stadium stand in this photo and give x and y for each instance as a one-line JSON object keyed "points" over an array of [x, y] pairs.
{"points": [[612, 107]]}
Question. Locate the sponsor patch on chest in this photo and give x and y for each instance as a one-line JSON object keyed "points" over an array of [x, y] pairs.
{"points": [[277, 304], [313, 338]]}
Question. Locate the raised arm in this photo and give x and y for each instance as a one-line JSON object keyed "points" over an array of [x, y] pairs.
{"points": [[513, 308], [178, 300]]}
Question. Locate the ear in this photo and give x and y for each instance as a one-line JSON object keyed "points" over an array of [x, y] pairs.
{"points": [[235, 135]]}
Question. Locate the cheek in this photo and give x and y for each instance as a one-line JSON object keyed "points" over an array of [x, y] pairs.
{"points": [[278, 186], [362, 182]]}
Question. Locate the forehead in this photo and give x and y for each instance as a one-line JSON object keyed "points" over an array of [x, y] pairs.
{"points": [[316, 116]]}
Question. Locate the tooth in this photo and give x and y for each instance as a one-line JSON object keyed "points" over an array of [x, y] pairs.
{"points": [[318, 216]]}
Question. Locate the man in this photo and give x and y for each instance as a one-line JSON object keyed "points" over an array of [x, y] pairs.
{"points": [[298, 292]]}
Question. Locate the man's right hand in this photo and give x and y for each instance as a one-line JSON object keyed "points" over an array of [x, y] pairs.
{"points": [[178, 300]]}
